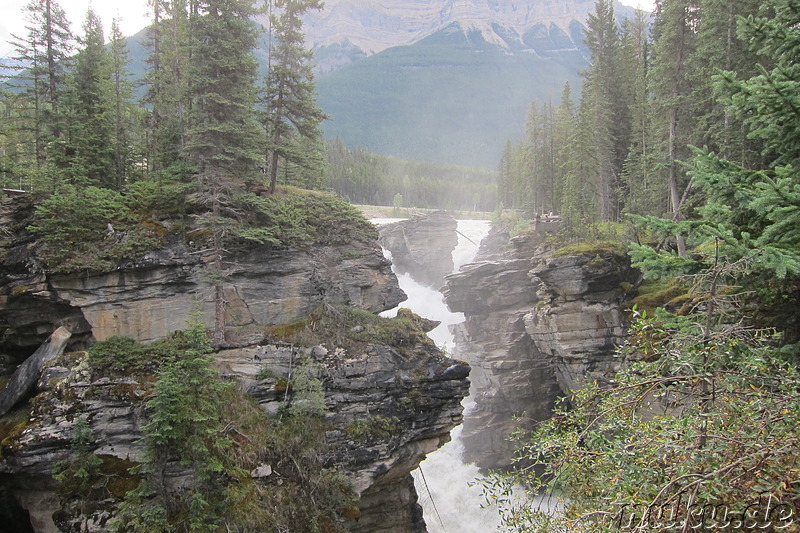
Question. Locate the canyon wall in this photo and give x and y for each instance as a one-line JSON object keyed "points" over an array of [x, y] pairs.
{"points": [[151, 297], [389, 401], [422, 246], [539, 323]]}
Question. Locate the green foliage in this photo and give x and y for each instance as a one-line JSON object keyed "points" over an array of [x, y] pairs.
{"points": [[374, 429], [185, 426], [202, 428], [159, 198], [294, 218], [124, 355], [78, 473], [308, 394], [73, 226], [706, 424]]}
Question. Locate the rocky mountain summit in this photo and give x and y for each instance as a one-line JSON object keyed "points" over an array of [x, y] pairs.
{"points": [[367, 27]]}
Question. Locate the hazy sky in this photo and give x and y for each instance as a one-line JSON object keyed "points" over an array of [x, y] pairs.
{"points": [[133, 15]]}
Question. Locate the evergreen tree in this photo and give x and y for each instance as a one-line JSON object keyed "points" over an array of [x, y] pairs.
{"points": [[223, 138], [674, 43], [292, 119], [170, 41], [564, 132], [85, 151], [645, 189], [44, 58], [606, 95], [124, 113]]}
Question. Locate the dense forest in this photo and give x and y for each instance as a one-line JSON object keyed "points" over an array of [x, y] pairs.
{"points": [[684, 140], [366, 178]]}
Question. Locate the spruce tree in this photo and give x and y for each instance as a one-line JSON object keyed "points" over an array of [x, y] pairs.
{"points": [[674, 44], [124, 113], [292, 119], [45, 53], [86, 153], [605, 92], [223, 138]]}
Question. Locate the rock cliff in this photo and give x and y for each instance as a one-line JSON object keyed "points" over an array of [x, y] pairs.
{"points": [[151, 297], [538, 323], [422, 246], [391, 395], [387, 409]]}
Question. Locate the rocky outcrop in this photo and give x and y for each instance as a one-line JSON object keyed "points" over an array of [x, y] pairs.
{"points": [[422, 246], [27, 374], [390, 402], [538, 324], [387, 409], [149, 298]]}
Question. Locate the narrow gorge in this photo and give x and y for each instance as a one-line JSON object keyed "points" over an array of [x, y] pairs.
{"points": [[390, 395], [530, 321], [533, 321]]}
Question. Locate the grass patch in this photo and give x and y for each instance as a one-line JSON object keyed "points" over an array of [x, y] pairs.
{"points": [[353, 329], [373, 429], [592, 249], [125, 355], [664, 293]]}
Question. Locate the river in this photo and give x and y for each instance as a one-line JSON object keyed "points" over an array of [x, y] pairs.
{"points": [[443, 481]]}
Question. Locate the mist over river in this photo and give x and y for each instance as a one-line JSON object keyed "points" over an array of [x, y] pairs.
{"points": [[443, 481]]}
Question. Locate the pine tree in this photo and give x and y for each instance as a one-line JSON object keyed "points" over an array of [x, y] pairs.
{"points": [[224, 136], [124, 112], [170, 39], [674, 44], [44, 55], [645, 188], [85, 151], [291, 111], [606, 93]]}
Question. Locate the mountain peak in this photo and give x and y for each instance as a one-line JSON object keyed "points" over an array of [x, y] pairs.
{"points": [[375, 25]]}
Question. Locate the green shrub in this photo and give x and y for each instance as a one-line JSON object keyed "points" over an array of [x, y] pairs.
{"points": [[74, 224]]}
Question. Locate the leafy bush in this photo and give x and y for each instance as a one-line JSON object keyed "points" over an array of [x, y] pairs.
{"points": [[708, 426]]}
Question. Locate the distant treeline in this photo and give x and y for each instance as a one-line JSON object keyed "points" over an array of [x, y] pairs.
{"points": [[366, 178]]}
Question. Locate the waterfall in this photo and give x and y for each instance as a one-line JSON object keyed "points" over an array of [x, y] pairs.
{"points": [[450, 503]]}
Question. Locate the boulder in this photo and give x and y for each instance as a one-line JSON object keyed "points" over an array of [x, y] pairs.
{"points": [[26, 376]]}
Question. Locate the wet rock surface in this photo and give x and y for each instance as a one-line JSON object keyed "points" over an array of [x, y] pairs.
{"points": [[538, 325], [422, 246]]}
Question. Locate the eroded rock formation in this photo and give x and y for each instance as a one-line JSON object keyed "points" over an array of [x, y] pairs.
{"points": [[422, 246], [538, 324], [387, 406], [149, 298], [386, 410]]}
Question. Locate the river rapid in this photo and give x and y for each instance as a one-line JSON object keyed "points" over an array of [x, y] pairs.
{"points": [[451, 498]]}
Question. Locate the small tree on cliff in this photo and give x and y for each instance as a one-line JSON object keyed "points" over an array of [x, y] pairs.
{"points": [[292, 119]]}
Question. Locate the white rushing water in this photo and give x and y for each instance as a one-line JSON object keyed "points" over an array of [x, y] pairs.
{"points": [[448, 493]]}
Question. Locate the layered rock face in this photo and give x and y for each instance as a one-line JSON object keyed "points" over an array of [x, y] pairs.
{"points": [[537, 326], [422, 246], [416, 393], [387, 406], [152, 297]]}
